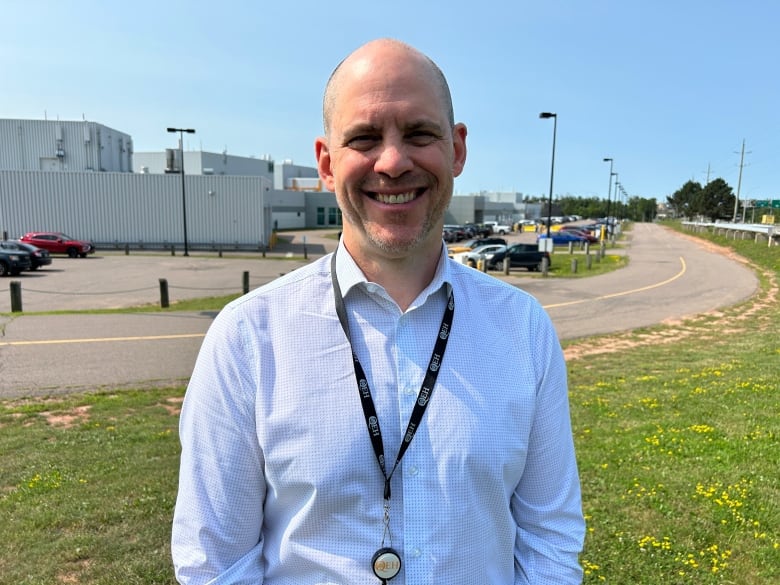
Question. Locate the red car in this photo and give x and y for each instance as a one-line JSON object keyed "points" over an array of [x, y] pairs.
{"points": [[59, 243]]}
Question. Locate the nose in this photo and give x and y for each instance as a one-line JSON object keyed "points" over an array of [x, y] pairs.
{"points": [[393, 159]]}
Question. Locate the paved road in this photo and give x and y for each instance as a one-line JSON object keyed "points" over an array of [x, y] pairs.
{"points": [[668, 277]]}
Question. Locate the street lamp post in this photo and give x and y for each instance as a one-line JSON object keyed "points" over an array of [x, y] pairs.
{"points": [[609, 189], [181, 132], [545, 115], [610, 231]]}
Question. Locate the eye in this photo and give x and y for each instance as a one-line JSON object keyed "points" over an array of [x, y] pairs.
{"points": [[422, 137], [363, 142]]}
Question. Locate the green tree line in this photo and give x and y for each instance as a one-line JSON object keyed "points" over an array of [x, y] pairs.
{"points": [[633, 209], [715, 201]]}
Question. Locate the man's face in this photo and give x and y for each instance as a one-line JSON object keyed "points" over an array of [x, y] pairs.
{"points": [[391, 154]]}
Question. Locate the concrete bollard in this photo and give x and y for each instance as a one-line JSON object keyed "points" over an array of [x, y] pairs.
{"points": [[507, 264], [545, 266], [574, 266], [588, 261], [245, 282], [16, 296], [127, 249], [164, 301]]}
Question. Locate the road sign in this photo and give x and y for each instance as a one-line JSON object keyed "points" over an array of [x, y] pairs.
{"points": [[773, 203]]}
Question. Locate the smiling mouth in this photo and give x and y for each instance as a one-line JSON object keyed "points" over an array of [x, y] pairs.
{"points": [[396, 198]]}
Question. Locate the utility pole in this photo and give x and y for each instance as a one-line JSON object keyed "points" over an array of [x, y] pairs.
{"points": [[739, 183]]}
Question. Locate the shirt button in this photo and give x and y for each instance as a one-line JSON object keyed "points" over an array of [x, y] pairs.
{"points": [[413, 470], [416, 552], [409, 391]]}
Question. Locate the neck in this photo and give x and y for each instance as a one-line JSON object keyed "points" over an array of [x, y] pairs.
{"points": [[403, 278]]}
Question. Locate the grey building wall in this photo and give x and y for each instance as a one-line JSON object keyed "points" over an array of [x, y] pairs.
{"points": [[465, 209], [117, 208], [288, 210], [322, 211], [55, 145], [197, 162], [287, 171]]}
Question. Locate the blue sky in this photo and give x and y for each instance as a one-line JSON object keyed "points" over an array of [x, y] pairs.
{"points": [[669, 89]]}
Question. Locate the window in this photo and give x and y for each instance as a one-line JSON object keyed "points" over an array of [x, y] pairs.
{"points": [[320, 216], [334, 216]]}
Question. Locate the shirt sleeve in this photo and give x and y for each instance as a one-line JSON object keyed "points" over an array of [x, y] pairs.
{"points": [[547, 504], [216, 533]]}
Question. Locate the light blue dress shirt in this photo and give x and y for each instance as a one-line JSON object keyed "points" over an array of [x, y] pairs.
{"points": [[279, 483]]}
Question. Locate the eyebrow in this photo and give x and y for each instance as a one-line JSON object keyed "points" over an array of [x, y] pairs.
{"points": [[369, 128]]}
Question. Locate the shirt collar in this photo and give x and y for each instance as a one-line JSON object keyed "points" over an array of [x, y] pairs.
{"points": [[350, 275]]}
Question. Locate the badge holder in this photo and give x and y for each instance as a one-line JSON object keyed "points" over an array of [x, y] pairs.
{"points": [[386, 564]]}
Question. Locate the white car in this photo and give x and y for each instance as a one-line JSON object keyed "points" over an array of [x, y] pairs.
{"points": [[472, 257]]}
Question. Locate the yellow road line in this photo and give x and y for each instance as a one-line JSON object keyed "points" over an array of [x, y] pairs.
{"points": [[625, 292], [102, 339]]}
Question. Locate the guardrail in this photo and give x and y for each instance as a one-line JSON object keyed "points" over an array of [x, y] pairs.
{"points": [[739, 231]]}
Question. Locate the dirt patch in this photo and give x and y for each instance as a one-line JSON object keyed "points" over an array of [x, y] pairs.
{"points": [[173, 405], [67, 418]]}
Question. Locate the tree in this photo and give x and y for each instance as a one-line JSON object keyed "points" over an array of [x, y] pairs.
{"points": [[685, 200], [717, 200], [642, 209]]}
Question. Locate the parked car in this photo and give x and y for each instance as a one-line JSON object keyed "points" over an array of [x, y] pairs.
{"points": [[470, 245], [13, 260], [38, 256], [499, 228], [587, 236], [59, 243], [472, 257], [591, 228], [564, 237], [453, 233], [479, 231], [520, 256]]}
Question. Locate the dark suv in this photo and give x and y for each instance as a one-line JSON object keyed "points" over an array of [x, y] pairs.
{"points": [[520, 256], [13, 260], [59, 243]]}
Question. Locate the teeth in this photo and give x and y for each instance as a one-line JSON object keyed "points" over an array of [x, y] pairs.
{"points": [[393, 199]]}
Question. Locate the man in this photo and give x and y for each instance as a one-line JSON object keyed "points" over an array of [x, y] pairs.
{"points": [[338, 426]]}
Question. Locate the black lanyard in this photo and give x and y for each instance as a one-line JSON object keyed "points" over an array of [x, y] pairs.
{"points": [[423, 397]]}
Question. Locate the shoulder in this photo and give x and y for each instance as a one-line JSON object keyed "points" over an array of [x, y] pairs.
{"points": [[306, 287], [480, 287]]}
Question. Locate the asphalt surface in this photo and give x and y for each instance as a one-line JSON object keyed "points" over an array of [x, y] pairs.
{"points": [[668, 277]]}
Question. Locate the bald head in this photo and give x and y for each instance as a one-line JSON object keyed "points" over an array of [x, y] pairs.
{"points": [[378, 51]]}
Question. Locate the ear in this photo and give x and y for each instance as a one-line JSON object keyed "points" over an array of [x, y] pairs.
{"points": [[459, 149], [322, 153]]}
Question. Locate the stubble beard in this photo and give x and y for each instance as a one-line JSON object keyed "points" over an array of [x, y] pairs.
{"points": [[394, 246]]}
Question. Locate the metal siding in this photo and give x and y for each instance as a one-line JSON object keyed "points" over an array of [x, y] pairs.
{"points": [[24, 142], [118, 208]]}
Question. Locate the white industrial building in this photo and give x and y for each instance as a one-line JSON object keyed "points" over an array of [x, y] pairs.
{"points": [[54, 145], [84, 179], [78, 177]]}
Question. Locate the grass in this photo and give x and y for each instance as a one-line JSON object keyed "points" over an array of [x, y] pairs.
{"points": [[676, 435], [677, 441], [87, 487]]}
